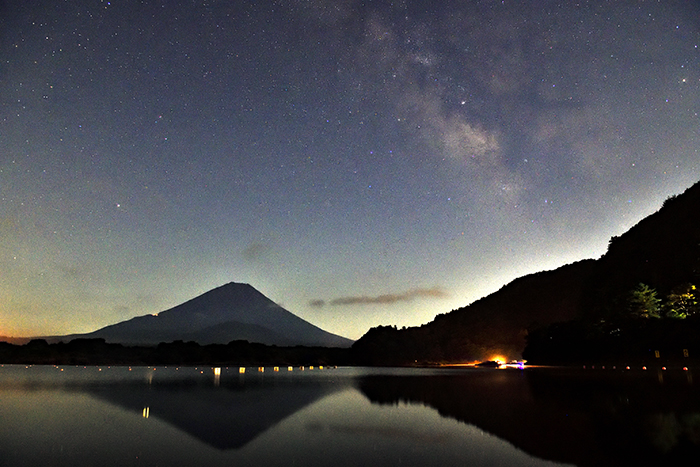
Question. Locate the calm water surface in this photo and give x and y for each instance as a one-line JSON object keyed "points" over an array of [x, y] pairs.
{"points": [[348, 416]]}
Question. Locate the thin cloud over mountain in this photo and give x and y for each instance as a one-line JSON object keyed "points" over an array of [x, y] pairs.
{"points": [[385, 299]]}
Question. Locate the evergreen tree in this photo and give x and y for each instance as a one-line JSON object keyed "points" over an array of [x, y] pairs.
{"points": [[643, 302]]}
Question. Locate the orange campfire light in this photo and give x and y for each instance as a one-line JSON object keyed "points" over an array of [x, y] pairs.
{"points": [[500, 359]]}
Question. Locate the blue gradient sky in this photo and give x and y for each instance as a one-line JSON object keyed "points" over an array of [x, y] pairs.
{"points": [[360, 163]]}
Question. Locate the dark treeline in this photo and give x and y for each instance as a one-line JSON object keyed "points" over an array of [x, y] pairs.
{"points": [[661, 342], [99, 352]]}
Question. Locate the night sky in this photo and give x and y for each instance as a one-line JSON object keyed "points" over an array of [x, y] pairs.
{"points": [[360, 163]]}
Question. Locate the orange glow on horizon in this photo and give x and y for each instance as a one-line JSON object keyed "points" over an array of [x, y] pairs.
{"points": [[499, 359]]}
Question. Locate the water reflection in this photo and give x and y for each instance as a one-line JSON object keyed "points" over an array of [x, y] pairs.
{"points": [[225, 413], [585, 418], [180, 416]]}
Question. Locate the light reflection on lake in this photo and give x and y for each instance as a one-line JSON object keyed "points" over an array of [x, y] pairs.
{"points": [[186, 416]]}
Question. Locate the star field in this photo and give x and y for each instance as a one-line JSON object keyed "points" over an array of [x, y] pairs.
{"points": [[361, 163]]}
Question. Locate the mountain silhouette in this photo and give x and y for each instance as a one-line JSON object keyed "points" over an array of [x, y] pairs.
{"points": [[495, 325], [231, 312], [662, 251]]}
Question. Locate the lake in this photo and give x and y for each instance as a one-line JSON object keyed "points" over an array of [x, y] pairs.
{"points": [[169, 416]]}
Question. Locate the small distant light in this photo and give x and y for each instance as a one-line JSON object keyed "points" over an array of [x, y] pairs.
{"points": [[685, 368], [644, 368]]}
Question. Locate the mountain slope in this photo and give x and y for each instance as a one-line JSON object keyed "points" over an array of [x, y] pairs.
{"points": [[620, 323], [662, 251], [494, 325], [230, 312]]}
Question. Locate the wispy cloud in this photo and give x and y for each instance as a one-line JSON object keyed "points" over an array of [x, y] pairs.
{"points": [[256, 251], [385, 299]]}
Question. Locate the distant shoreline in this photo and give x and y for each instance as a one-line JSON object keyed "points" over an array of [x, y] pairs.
{"points": [[99, 352]]}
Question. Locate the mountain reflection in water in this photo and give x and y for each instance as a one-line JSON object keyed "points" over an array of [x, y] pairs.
{"points": [[223, 413], [227, 416]]}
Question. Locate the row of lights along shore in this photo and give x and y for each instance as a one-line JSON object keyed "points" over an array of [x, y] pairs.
{"points": [[614, 367], [241, 369], [657, 354]]}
